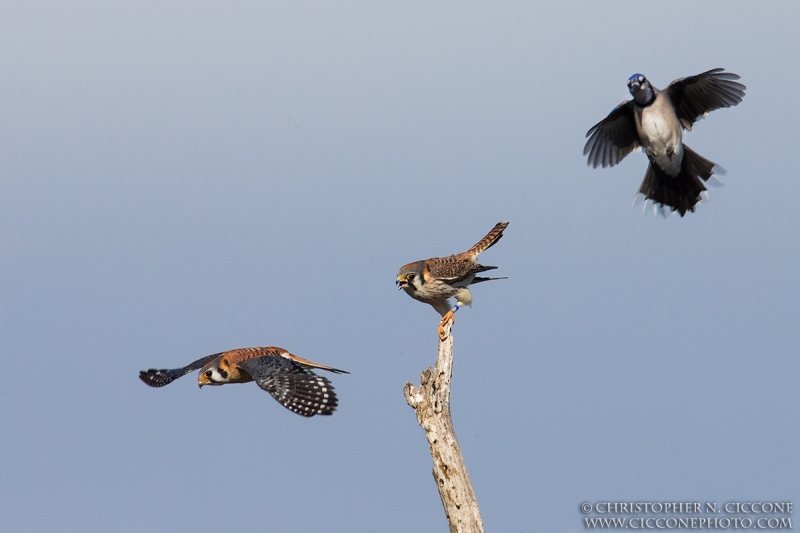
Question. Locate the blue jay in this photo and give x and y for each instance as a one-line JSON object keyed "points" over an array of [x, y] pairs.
{"points": [[655, 120]]}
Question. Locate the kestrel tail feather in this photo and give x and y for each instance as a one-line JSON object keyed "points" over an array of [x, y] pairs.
{"points": [[480, 279], [487, 242], [312, 364]]}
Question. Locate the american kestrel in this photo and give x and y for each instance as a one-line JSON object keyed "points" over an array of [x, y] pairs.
{"points": [[435, 280], [285, 376]]}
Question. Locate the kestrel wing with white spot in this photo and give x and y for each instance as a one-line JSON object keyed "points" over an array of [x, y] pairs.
{"points": [[295, 387], [159, 378]]}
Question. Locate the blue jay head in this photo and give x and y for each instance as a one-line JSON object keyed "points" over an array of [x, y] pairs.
{"points": [[640, 89]]}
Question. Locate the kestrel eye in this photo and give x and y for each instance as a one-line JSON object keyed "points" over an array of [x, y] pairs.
{"points": [[208, 373]]}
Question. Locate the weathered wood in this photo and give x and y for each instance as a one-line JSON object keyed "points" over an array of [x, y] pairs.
{"points": [[431, 401]]}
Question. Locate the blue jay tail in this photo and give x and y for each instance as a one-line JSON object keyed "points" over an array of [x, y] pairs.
{"points": [[683, 192]]}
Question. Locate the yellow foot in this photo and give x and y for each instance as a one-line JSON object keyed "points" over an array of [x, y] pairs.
{"points": [[449, 317]]}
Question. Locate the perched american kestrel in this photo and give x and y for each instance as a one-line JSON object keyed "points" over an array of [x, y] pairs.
{"points": [[284, 375], [435, 280]]}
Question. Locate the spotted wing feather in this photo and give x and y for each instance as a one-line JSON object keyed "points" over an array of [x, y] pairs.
{"points": [[295, 387], [159, 378]]}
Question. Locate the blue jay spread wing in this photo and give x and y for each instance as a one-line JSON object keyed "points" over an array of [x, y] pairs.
{"points": [[614, 137], [695, 96]]}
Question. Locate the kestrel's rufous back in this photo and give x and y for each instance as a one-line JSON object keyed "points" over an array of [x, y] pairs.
{"points": [[435, 280], [285, 376]]}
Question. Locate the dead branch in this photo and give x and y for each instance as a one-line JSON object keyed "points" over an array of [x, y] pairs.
{"points": [[431, 401]]}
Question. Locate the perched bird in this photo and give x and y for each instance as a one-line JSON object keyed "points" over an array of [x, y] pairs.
{"points": [[435, 280], [284, 375], [655, 120]]}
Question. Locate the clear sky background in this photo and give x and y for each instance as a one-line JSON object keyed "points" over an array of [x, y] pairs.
{"points": [[183, 178]]}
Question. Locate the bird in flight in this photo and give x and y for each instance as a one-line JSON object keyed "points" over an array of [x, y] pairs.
{"points": [[655, 120], [287, 377], [435, 280]]}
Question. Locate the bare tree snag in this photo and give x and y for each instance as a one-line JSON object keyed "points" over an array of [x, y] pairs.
{"points": [[431, 401]]}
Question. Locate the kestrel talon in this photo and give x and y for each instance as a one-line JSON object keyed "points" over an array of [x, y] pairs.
{"points": [[435, 280], [285, 376]]}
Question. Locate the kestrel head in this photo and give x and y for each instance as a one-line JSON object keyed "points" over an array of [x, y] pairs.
{"points": [[410, 276], [214, 373]]}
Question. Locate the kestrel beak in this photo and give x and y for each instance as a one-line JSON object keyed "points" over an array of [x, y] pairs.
{"points": [[401, 283]]}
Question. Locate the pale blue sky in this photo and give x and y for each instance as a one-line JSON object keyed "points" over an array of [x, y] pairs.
{"points": [[178, 179]]}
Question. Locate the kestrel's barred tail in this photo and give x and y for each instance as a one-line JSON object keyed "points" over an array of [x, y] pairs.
{"points": [[487, 242], [311, 364]]}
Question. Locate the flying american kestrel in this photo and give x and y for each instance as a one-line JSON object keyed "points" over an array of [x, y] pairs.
{"points": [[285, 376], [435, 280]]}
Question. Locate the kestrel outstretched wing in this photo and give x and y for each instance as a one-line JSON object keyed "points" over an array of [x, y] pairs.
{"points": [[294, 386], [159, 378]]}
